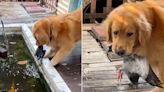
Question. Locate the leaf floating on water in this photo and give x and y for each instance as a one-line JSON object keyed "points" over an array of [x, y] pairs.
{"points": [[12, 88], [23, 62], [12, 43]]}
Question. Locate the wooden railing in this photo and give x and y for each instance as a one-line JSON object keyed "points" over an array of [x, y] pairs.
{"points": [[93, 15]]}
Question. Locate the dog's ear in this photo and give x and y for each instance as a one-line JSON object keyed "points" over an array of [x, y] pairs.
{"points": [[106, 26], [41, 31], [45, 30], [46, 26], [144, 30], [56, 27], [42, 37], [158, 18]]}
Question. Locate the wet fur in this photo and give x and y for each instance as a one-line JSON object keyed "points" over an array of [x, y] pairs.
{"points": [[65, 32], [145, 20]]}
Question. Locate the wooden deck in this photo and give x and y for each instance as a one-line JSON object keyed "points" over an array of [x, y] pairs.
{"points": [[99, 73]]}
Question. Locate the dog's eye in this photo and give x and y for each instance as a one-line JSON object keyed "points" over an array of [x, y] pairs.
{"points": [[129, 34], [115, 32]]}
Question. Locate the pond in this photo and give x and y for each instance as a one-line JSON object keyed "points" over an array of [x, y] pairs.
{"points": [[18, 72]]}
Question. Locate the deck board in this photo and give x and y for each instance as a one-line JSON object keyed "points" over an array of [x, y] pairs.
{"points": [[100, 73]]}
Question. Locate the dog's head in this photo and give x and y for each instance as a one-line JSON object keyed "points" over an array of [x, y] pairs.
{"points": [[41, 30], [127, 29], [46, 29]]}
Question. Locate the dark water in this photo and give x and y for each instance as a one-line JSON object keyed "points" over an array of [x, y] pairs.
{"points": [[23, 78]]}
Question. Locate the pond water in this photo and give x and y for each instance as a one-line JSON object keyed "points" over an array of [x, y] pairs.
{"points": [[21, 77]]}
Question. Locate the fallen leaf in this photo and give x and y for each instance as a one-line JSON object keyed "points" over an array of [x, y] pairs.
{"points": [[12, 88], [23, 62]]}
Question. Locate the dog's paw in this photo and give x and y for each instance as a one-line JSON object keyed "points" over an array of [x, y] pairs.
{"points": [[48, 55], [53, 63]]}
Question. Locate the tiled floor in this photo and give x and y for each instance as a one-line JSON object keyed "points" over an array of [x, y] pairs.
{"points": [[15, 12], [11, 10]]}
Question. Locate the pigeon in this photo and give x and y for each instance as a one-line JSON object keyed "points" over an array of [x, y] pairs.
{"points": [[136, 67], [40, 52]]}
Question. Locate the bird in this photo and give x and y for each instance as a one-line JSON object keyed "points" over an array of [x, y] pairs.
{"points": [[40, 52], [137, 66]]}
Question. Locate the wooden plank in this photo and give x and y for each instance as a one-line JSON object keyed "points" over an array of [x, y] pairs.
{"points": [[93, 10], [85, 32], [87, 40], [105, 72], [93, 6], [109, 6], [87, 26], [95, 53], [98, 33], [86, 70], [101, 77], [92, 49], [96, 15], [88, 90], [124, 88], [95, 60], [105, 64], [92, 45], [103, 83]]}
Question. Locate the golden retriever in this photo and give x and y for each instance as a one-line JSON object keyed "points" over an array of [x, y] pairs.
{"points": [[59, 32], [138, 28]]}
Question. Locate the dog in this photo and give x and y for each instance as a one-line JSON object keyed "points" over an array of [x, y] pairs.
{"points": [[137, 29], [59, 32]]}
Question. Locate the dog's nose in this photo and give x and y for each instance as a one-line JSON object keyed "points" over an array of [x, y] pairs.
{"points": [[120, 52]]}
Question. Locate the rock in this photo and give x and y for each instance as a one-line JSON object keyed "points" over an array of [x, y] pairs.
{"points": [[12, 43], [17, 84], [11, 56], [3, 53]]}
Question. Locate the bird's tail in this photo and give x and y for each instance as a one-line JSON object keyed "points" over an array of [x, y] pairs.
{"points": [[152, 79]]}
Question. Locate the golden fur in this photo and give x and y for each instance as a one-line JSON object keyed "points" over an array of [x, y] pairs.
{"points": [[138, 28], [64, 30]]}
